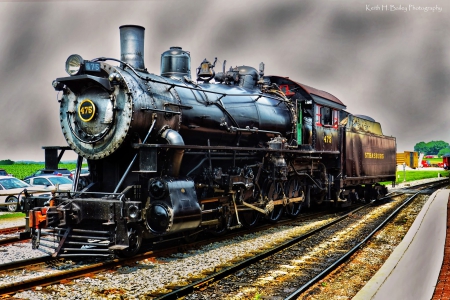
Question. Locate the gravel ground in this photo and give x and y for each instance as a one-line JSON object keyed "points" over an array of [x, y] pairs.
{"points": [[11, 222], [281, 274], [346, 281], [16, 252], [148, 277]]}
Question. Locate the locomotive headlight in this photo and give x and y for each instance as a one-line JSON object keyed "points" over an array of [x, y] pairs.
{"points": [[133, 211], [73, 64]]}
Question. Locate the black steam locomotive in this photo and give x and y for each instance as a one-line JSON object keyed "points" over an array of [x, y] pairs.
{"points": [[170, 156]]}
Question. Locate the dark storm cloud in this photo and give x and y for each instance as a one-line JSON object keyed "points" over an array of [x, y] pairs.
{"points": [[357, 27], [18, 91], [393, 66], [280, 15]]}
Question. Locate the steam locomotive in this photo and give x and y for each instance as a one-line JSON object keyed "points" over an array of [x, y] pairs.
{"points": [[170, 156]]}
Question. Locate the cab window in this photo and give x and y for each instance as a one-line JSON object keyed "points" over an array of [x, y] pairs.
{"points": [[326, 116]]}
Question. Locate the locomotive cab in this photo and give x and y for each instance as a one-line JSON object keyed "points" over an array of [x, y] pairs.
{"points": [[318, 115]]}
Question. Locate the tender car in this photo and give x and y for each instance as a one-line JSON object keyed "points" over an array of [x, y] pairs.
{"points": [[11, 190], [49, 172], [51, 181]]}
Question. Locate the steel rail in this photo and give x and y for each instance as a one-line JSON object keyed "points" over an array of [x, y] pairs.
{"points": [[202, 283], [13, 229], [14, 265], [78, 272], [110, 264], [344, 257], [11, 240]]}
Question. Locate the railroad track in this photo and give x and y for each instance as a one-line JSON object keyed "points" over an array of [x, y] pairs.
{"points": [[76, 272], [177, 291], [336, 264], [10, 230], [198, 286], [12, 239], [256, 258]]}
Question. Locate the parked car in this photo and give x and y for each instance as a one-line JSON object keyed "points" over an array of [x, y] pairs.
{"points": [[84, 172], [49, 172], [51, 181], [3, 172], [426, 163], [11, 189], [85, 178]]}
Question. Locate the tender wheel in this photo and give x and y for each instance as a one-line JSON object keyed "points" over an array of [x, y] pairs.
{"points": [[368, 193], [275, 192], [135, 241], [293, 190], [12, 207], [380, 190]]}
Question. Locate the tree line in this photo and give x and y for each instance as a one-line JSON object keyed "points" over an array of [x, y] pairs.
{"points": [[438, 148]]}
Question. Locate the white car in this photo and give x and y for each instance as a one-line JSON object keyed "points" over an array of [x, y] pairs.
{"points": [[84, 179], [52, 182], [11, 190]]}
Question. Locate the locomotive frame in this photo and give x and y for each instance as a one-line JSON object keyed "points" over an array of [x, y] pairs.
{"points": [[170, 157]]}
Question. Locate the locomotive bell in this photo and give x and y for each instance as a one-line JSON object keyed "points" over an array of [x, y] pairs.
{"points": [[205, 69]]}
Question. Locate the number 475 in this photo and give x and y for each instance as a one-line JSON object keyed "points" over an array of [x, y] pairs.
{"points": [[86, 110]]}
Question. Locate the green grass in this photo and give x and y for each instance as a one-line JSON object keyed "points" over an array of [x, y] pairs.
{"points": [[411, 175], [23, 170], [12, 215], [433, 160]]}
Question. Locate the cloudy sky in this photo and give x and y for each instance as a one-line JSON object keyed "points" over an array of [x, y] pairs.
{"points": [[386, 59]]}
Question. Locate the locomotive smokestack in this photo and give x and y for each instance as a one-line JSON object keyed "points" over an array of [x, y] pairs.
{"points": [[132, 45]]}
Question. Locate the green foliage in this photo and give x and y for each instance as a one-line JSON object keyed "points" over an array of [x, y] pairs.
{"points": [[6, 162], [20, 170], [421, 147], [444, 151], [431, 148]]}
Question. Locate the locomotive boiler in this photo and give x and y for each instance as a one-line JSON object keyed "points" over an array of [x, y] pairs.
{"points": [[171, 156]]}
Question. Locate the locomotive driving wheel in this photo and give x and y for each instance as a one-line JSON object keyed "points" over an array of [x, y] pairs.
{"points": [[293, 190], [135, 241], [274, 191], [250, 218]]}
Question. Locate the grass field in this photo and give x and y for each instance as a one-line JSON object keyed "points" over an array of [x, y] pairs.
{"points": [[22, 170], [434, 160], [12, 215], [411, 175]]}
